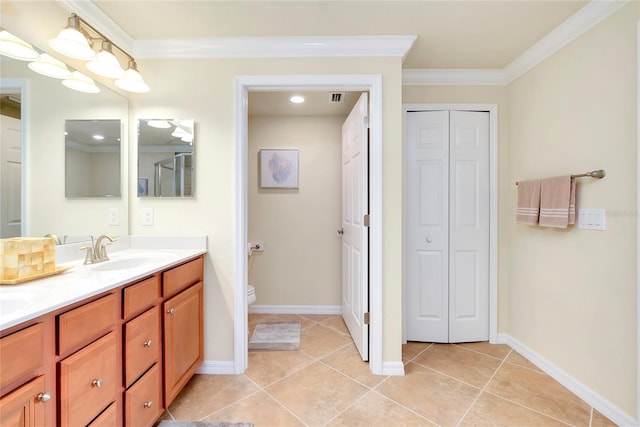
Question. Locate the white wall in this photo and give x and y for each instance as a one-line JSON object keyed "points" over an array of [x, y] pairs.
{"points": [[572, 293], [301, 262]]}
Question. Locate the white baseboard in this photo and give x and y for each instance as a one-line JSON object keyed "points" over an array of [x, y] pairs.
{"points": [[393, 368], [295, 309], [216, 367], [604, 406]]}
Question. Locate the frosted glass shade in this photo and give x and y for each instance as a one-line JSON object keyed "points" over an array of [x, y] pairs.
{"points": [[72, 43], [132, 82], [105, 64], [16, 48], [81, 83], [49, 66]]}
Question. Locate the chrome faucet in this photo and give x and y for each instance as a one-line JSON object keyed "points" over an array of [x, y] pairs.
{"points": [[98, 252]]}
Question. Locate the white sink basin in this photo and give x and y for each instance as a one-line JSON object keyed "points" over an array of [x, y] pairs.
{"points": [[130, 262]]}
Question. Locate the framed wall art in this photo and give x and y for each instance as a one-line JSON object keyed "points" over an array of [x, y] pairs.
{"points": [[278, 168]]}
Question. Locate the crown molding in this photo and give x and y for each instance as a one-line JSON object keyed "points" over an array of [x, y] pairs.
{"points": [[576, 25], [275, 47]]}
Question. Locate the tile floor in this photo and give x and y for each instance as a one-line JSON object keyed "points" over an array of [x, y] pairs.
{"points": [[325, 383]]}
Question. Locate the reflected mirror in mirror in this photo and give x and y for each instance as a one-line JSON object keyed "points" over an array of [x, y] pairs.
{"points": [[92, 158], [165, 158]]}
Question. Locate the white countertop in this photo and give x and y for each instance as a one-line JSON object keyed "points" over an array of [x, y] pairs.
{"points": [[131, 258]]}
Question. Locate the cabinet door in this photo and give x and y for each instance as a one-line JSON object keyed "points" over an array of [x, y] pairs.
{"points": [[22, 407], [89, 381], [183, 339]]}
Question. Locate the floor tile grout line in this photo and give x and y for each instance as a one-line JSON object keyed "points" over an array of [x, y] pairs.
{"points": [[483, 354], [447, 375], [232, 403], [374, 390], [526, 407], [272, 397], [483, 388], [420, 352], [345, 375], [367, 391]]}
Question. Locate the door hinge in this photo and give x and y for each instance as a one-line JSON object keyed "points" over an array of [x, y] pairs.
{"points": [[367, 220], [366, 318], [366, 121]]}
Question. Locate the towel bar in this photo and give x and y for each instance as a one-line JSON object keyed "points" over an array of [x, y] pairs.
{"points": [[600, 173]]}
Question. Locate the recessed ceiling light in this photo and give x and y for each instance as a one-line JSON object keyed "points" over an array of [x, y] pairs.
{"points": [[297, 99], [98, 137]]}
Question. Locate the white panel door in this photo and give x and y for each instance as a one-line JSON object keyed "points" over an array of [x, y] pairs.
{"points": [[428, 225], [447, 226], [10, 177], [355, 235], [469, 226]]}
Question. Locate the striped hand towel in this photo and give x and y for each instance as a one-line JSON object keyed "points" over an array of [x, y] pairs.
{"points": [[557, 202], [528, 208]]}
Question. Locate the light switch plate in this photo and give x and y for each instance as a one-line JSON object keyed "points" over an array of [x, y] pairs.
{"points": [[591, 219], [147, 216]]}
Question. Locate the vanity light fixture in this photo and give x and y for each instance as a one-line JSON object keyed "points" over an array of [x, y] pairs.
{"points": [[80, 82], [16, 48], [76, 41], [49, 66]]}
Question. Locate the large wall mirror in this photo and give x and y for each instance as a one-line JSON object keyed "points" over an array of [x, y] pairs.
{"points": [[166, 158], [40, 205], [92, 158]]}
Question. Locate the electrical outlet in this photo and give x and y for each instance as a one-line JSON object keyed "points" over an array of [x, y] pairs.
{"points": [[147, 216], [114, 216]]}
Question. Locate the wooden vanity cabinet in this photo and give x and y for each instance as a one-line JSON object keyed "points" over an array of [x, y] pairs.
{"points": [[115, 359]]}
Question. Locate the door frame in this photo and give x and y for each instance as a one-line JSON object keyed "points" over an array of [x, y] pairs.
{"points": [[493, 205], [242, 86]]}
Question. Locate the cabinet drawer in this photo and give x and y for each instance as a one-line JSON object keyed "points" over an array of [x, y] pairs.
{"points": [[89, 380], [143, 401], [108, 417], [142, 344], [137, 298], [21, 353], [85, 323], [181, 277]]}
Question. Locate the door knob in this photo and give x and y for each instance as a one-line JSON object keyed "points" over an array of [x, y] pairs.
{"points": [[429, 240], [44, 397]]}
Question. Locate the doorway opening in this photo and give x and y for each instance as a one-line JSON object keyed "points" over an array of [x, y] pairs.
{"points": [[340, 83]]}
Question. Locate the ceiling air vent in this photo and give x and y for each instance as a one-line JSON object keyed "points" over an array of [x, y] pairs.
{"points": [[336, 98]]}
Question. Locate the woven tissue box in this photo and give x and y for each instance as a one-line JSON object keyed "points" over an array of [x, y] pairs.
{"points": [[25, 257]]}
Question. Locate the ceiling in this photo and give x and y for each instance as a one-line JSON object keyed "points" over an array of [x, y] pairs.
{"points": [[451, 34]]}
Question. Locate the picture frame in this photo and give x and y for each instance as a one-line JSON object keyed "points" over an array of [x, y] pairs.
{"points": [[143, 187], [279, 168]]}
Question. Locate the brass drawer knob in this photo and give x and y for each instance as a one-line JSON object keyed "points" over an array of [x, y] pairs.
{"points": [[44, 397], [97, 383]]}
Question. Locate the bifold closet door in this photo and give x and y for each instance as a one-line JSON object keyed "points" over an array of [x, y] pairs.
{"points": [[447, 226]]}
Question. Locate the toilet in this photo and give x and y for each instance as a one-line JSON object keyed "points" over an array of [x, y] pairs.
{"points": [[251, 295]]}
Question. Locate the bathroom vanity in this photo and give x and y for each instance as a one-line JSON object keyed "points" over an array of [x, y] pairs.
{"points": [[115, 345]]}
